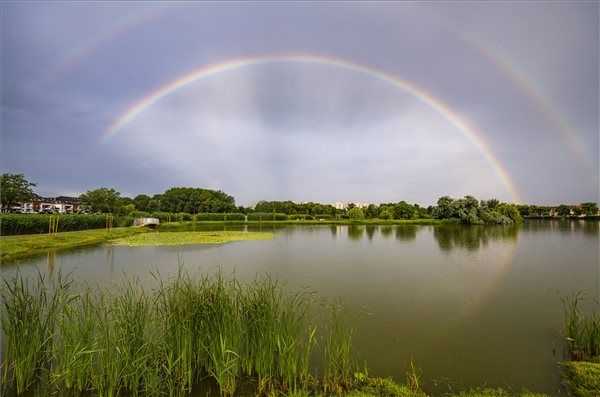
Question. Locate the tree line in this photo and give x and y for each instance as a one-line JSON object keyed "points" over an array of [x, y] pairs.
{"points": [[15, 188]]}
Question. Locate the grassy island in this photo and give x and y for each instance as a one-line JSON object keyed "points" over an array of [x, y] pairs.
{"points": [[23, 246], [184, 238]]}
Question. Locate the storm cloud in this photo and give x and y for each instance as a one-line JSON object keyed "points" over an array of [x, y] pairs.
{"points": [[523, 75]]}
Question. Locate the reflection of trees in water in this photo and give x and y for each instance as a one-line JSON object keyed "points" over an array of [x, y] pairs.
{"points": [[406, 232], [333, 230], [355, 232], [370, 231], [563, 226], [472, 238], [386, 231]]}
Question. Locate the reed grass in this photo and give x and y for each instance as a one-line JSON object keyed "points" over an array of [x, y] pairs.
{"points": [[581, 331], [132, 341]]}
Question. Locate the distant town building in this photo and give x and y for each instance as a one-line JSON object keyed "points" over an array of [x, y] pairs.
{"points": [[39, 204], [343, 205]]}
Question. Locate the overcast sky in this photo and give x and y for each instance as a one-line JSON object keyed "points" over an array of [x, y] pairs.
{"points": [[522, 76]]}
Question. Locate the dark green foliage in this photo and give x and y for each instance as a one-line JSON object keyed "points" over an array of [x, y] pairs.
{"points": [[290, 207], [103, 200], [267, 216], [11, 224], [196, 200], [356, 213], [14, 189], [141, 202], [220, 217], [471, 212]]}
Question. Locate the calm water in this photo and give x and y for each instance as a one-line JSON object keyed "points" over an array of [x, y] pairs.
{"points": [[471, 306]]}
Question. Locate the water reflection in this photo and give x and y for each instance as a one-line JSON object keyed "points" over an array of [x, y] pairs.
{"points": [[472, 238], [386, 231], [370, 231], [356, 232], [406, 232]]}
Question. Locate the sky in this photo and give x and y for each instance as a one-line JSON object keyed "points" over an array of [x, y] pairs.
{"points": [[370, 102]]}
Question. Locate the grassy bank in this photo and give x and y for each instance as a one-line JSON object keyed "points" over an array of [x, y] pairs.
{"points": [[22, 246], [207, 334], [582, 378], [182, 238]]}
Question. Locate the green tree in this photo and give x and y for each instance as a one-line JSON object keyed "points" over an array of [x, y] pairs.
{"points": [[444, 208], [563, 210], [103, 200], [589, 209], [403, 210], [372, 211], [356, 213], [141, 202], [15, 189], [386, 213], [510, 211]]}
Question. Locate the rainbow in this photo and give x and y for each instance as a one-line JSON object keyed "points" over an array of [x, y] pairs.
{"points": [[568, 133], [454, 118]]}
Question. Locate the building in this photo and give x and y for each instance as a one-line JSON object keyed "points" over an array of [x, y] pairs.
{"points": [[39, 204], [340, 205]]}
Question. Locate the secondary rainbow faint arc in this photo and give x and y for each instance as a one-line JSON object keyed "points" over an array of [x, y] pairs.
{"points": [[459, 122]]}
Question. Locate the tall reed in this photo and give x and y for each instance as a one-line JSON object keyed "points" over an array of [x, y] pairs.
{"points": [[28, 318], [132, 341], [582, 332]]}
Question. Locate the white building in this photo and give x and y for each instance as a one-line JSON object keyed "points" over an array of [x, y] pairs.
{"points": [[343, 205]]}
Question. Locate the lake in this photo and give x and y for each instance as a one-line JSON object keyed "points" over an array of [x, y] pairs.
{"points": [[470, 305]]}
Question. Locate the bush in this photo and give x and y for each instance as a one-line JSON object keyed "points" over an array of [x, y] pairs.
{"points": [[323, 216], [356, 213], [11, 224], [208, 216], [267, 216], [302, 217]]}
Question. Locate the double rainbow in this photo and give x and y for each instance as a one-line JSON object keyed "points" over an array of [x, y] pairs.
{"points": [[460, 123]]}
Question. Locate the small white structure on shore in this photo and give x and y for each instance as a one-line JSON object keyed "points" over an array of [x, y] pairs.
{"points": [[152, 222]]}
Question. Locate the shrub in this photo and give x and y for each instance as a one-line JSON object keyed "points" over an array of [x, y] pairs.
{"points": [[267, 216], [11, 224], [356, 213], [208, 216]]}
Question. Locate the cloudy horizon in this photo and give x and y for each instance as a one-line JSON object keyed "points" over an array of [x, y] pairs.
{"points": [[378, 102]]}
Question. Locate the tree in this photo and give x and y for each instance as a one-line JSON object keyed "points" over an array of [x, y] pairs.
{"points": [[372, 211], [510, 211], [563, 210], [589, 209], [386, 213], [15, 189], [403, 210], [141, 202], [356, 213], [444, 208], [103, 200]]}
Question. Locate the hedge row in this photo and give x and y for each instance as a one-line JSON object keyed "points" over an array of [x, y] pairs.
{"points": [[267, 216], [11, 224], [220, 217]]}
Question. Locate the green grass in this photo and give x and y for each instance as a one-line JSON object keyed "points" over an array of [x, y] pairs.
{"points": [[182, 238], [17, 247], [583, 378]]}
